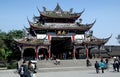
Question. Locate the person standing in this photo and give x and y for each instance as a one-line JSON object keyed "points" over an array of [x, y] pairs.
{"points": [[117, 65], [88, 63], [102, 66], [23, 71], [30, 68], [64, 55], [107, 63], [97, 66], [114, 66]]}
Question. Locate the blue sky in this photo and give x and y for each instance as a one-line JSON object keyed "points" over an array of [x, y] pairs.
{"points": [[14, 13]]}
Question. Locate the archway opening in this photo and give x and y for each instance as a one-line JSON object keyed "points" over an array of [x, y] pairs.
{"points": [[29, 54], [43, 53], [61, 47]]}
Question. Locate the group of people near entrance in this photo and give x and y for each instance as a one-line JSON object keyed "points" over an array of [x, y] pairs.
{"points": [[27, 70], [99, 66], [102, 65], [105, 64]]}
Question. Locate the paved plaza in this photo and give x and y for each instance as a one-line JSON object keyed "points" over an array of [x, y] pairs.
{"points": [[70, 73]]}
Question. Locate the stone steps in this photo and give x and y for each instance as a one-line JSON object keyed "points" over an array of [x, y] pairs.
{"points": [[65, 65]]}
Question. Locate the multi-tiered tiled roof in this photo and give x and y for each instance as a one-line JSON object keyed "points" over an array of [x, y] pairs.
{"points": [[60, 20]]}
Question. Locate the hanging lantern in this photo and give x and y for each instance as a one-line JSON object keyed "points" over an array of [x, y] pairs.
{"points": [[63, 32], [59, 32]]}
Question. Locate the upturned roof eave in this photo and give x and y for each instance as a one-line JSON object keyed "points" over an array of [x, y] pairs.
{"points": [[61, 28], [60, 16], [97, 42], [29, 43]]}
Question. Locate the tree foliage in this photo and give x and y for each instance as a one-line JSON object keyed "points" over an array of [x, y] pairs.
{"points": [[7, 43]]}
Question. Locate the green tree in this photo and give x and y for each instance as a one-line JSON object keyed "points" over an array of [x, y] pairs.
{"points": [[2, 45], [10, 41], [4, 54], [7, 43], [10, 38]]}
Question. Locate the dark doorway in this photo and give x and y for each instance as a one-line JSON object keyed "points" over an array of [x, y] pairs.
{"points": [[29, 54], [43, 53], [61, 47]]}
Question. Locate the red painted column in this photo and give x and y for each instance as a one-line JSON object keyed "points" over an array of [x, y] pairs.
{"points": [[86, 51], [49, 38], [36, 52], [73, 38], [74, 51], [49, 53]]}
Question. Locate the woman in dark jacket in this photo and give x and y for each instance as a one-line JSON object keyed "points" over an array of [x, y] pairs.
{"points": [[23, 71], [97, 67], [117, 65]]}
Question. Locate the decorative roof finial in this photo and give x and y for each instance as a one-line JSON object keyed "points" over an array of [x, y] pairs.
{"points": [[44, 9], [38, 9], [58, 8], [80, 20], [71, 10], [94, 22], [28, 20]]}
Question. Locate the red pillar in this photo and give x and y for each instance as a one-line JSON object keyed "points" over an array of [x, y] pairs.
{"points": [[73, 38], [74, 51], [86, 51], [49, 38], [36, 52], [49, 54]]}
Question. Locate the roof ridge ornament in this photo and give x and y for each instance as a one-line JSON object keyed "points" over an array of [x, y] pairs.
{"points": [[82, 11], [71, 10], [58, 8], [38, 10], [44, 9], [30, 23]]}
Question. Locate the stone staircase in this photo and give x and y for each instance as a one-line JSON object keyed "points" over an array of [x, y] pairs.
{"points": [[65, 65]]}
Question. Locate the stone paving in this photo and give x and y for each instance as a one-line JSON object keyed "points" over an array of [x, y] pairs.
{"points": [[8, 73], [64, 73], [79, 73], [58, 71]]}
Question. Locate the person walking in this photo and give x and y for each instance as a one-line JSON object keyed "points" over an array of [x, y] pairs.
{"points": [[102, 66], [97, 66], [117, 65], [31, 68], [23, 71], [114, 66]]}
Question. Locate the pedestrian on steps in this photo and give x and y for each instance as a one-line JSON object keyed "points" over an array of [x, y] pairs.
{"points": [[97, 66]]}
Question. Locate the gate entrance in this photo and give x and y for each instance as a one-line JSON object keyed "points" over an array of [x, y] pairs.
{"points": [[61, 47], [29, 54]]}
